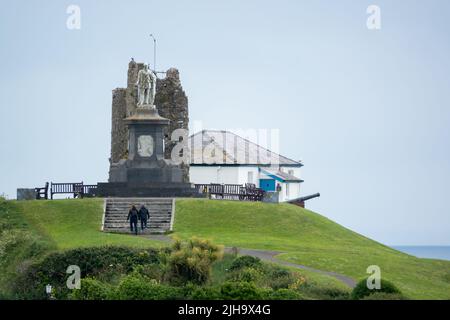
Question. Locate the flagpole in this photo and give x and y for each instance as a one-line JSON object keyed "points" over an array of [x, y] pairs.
{"points": [[154, 52]]}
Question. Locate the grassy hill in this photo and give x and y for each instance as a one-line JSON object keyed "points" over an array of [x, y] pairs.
{"points": [[303, 236]]}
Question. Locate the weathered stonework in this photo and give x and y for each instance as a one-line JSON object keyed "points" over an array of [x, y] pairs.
{"points": [[119, 133], [171, 102]]}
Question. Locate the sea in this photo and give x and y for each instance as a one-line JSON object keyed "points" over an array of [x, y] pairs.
{"points": [[433, 252]]}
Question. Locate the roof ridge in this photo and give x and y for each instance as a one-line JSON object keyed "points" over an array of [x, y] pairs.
{"points": [[206, 131]]}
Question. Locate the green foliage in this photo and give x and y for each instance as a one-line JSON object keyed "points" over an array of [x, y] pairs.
{"points": [[138, 287], [191, 261], [19, 246], [361, 290], [315, 292], [281, 278], [309, 239], [384, 296], [91, 289], [202, 293], [92, 262], [231, 290], [246, 261], [246, 274], [285, 294]]}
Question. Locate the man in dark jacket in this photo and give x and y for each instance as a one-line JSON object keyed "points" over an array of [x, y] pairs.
{"points": [[133, 215], [144, 215]]}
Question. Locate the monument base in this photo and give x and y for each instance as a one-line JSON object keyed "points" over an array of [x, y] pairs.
{"points": [[136, 189]]}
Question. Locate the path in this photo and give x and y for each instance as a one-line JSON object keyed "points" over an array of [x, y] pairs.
{"points": [[270, 256]]}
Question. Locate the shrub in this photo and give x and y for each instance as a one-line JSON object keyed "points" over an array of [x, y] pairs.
{"points": [[361, 290], [384, 296], [151, 271], [203, 293], [247, 274], [285, 294], [137, 287], [246, 261], [323, 293], [231, 290], [18, 250], [91, 289], [191, 261], [281, 278], [93, 262]]}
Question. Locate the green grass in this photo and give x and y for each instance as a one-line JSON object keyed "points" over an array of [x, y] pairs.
{"points": [[303, 236], [75, 223], [310, 239]]}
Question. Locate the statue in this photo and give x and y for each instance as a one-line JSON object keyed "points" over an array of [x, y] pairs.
{"points": [[146, 87]]}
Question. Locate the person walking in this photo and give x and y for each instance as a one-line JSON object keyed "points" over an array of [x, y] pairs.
{"points": [[133, 216], [144, 215]]}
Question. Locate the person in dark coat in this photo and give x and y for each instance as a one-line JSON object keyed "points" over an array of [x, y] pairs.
{"points": [[144, 215], [133, 216]]}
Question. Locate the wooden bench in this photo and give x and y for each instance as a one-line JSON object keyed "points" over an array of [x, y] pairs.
{"points": [[77, 189], [42, 193], [232, 191]]}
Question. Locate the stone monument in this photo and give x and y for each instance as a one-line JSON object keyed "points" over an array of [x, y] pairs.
{"points": [[140, 168]]}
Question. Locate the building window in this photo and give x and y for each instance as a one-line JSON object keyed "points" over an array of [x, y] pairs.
{"points": [[291, 172], [250, 177], [287, 190]]}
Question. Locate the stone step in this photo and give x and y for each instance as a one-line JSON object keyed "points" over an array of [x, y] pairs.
{"points": [[127, 226], [126, 210], [129, 204], [115, 222], [127, 231], [125, 215], [116, 213], [124, 218]]}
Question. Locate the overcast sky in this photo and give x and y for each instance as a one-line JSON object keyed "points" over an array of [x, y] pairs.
{"points": [[366, 110]]}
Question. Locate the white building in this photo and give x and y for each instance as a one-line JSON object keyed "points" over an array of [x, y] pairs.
{"points": [[226, 158]]}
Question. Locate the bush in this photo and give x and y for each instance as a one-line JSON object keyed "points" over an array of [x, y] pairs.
{"points": [[91, 289], [361, 290], [285, 294], [231, 290], [202, 293], [137, 287], [246, 261], [93, 262], [18, 250], [281, 278], [247, 274], [191, 261], [384, 296], [313, 291]]}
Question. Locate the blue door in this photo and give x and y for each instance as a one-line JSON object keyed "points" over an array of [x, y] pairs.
{"points": [[267, 184]]}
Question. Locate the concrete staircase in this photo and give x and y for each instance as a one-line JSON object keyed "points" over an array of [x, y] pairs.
{"points": [[162, 212]]}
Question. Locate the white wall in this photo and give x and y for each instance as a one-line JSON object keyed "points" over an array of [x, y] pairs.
{"points": [[239, 175], [294, 191], [243, 175], [214, 174], [296, 170]]}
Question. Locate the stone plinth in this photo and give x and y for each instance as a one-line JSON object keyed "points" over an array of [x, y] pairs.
{"points": [[146, 172], [145, 189], [171, 102]]}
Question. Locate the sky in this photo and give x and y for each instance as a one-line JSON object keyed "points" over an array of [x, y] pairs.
{"points": [[367, 111]]}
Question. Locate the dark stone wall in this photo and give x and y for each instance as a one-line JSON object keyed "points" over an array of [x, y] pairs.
{"points": [[119, 132], [171, 102]]}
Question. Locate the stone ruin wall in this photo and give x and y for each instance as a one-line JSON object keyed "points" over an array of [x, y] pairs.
{"points": [[170, 100]]}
